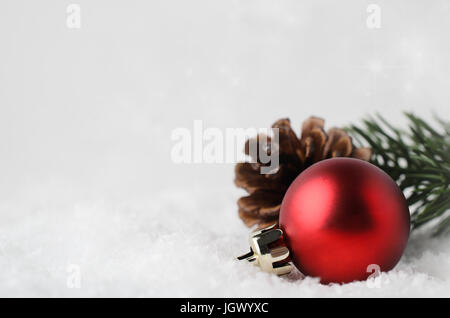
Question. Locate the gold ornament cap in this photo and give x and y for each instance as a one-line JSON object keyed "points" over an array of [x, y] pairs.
{"points": [[261, 254]]}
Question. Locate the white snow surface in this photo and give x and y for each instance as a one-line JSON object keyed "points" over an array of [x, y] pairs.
{"points": [[178, 244], [87, 184]]}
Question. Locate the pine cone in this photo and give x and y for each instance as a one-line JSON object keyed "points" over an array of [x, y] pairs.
{"points": [[266, 191]]}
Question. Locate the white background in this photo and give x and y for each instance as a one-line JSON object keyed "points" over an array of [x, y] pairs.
{"points": [[86, 116]]}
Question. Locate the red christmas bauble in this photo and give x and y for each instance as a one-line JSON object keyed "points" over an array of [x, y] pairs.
{"points": [[341, 215]]}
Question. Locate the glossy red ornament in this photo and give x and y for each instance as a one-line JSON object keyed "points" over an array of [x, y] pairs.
{"points": [[341, 215]]}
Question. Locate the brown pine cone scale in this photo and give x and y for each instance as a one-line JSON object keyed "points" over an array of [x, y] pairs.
{"points": [[266, 191]]}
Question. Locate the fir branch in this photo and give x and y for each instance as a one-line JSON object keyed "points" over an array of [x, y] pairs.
{"points": [[418, 159]]}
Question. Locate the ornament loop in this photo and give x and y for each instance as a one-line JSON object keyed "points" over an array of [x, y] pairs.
{"points": [[271, 260]]}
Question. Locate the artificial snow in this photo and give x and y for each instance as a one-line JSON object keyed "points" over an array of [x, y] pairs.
{"points": [[178, 244]]}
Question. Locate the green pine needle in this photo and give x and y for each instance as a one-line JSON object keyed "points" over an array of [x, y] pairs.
{"points": [[418, 159]]}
